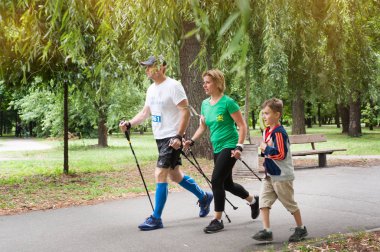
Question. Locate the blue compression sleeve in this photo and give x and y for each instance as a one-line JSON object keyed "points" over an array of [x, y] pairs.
{"points": [[161, 196], [189, 184]]}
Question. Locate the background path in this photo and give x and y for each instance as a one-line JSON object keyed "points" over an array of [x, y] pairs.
{"points": [[21, 144], [14, 144]]}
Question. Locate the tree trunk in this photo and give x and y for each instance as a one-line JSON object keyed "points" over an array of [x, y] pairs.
{"points": [[298, 111], [65, 127], [246, 105], [102, 128], [1, 123], [354, 129], [31, 126], [308, 114], [344, 112], [191, 78], [253, 119], [337, 121], [372, 105], [319, 115]]}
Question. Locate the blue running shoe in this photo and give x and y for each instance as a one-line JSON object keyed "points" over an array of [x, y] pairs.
{"points": [[205, 204], [151, 223]]}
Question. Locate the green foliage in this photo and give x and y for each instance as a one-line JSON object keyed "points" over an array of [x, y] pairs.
{"points": [[369, 114], [323, 51]]}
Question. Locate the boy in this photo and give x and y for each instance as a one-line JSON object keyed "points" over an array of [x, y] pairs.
{"points": [[279, 171]]}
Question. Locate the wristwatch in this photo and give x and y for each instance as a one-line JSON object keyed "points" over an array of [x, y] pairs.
{"points": [[239, 147]]}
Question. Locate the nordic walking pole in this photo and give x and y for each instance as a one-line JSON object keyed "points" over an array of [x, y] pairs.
{"points": [[249, 168], [208, 180], [138, 166]]}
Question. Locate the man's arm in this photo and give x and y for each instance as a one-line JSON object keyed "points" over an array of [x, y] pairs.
{"points": [[141, 116], [183, 106], [136, 120]]}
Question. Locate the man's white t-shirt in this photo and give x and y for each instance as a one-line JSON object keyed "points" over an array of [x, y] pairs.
{"points": [[162, 100]]}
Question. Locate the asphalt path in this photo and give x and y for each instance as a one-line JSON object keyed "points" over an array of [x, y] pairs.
{"points": [[332, 200]]}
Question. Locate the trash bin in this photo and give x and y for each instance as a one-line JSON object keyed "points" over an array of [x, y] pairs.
{"points": [[250, 156]]}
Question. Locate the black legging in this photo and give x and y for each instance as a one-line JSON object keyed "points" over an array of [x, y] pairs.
{"points": [[222, 179]]}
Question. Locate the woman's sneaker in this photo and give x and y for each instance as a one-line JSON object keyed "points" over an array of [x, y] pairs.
{"points": [[263, 235], [255, 209], [204, 204], [214, 226], [151, 223], [298, 235]]}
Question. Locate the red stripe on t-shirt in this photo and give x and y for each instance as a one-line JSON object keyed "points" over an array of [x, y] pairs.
{"points": [[280, 146]]}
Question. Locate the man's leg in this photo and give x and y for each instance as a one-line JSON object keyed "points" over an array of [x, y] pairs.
{"points": [[186, 182], [154, 221], [161, 195], [189, 184]]}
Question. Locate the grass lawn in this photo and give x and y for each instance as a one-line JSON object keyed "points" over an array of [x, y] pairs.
{"points": [[84, 156], [31, 180]]}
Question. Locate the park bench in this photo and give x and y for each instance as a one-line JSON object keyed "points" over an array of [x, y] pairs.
{"points": [[304, 139]]}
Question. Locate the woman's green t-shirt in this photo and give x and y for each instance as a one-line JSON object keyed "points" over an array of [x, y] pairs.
{"points": [[222, 127]]}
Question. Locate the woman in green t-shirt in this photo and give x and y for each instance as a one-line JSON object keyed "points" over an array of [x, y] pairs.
{"points": [[220, 113]]}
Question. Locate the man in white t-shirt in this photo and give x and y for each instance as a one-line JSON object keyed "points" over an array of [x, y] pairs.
{"points": [[166, 102]]}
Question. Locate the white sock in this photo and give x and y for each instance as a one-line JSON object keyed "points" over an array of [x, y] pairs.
{"points": [[253, 201], [303, 227], [267, 229]]}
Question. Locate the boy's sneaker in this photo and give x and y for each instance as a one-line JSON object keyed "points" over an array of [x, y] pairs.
{"points": [[255, 209], [151, 223], [263, 235], [298, 235], [204, 204], [214, 226]]}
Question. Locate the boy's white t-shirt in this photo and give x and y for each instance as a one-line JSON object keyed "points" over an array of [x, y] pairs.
{"points": [[162, 100]]}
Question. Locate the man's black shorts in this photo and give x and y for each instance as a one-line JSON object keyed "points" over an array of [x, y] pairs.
{"points": [[167, 156]]}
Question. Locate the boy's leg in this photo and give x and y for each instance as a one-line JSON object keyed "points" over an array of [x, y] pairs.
{"points": [[267, 198], [297, 218], [265, 234], [285, 192], [300, 232], [265, 217]]}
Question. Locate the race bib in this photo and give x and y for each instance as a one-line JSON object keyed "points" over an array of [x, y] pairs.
{"points": [[156, 120]]}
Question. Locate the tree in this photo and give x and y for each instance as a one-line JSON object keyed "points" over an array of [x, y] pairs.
{"points": [[168, 28], [66, 44]]}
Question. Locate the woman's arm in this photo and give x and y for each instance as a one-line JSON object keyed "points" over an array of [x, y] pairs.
{"points": [[198, 133], [239, 120]]}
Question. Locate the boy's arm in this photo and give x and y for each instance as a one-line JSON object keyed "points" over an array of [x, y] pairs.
{"points": [[277, 151]]}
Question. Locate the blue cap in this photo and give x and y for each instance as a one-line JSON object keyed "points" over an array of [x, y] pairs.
{"points": [[152, 60]]}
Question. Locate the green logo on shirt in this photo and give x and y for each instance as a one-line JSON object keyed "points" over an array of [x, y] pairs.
{"points": [[219, 118]]}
